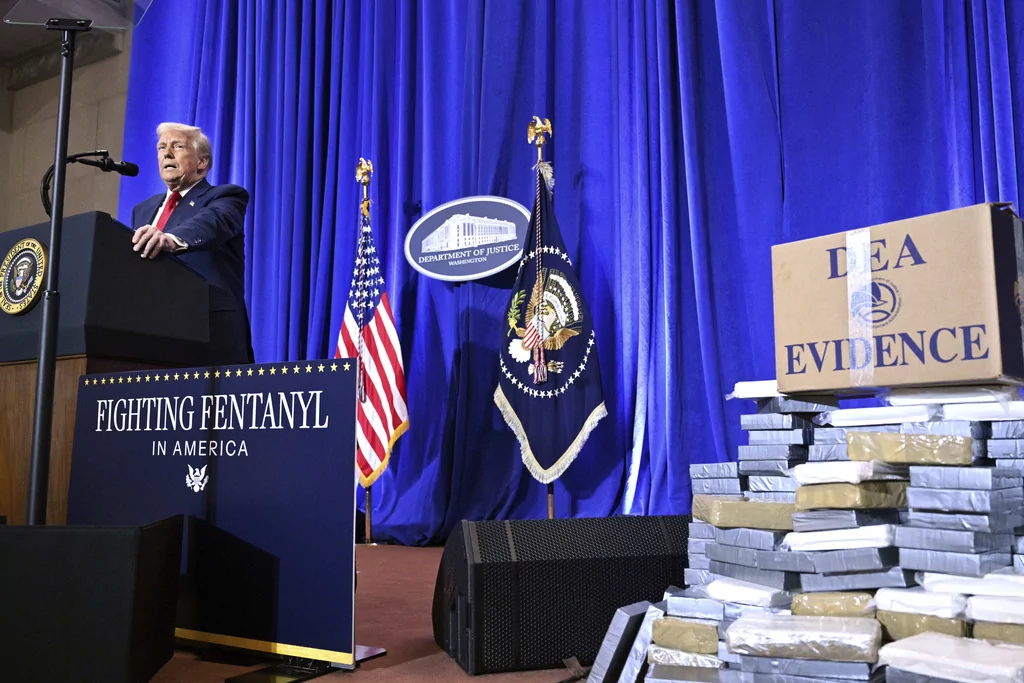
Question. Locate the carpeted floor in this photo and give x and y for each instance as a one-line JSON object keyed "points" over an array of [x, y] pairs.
{"points": [[396, 586]]}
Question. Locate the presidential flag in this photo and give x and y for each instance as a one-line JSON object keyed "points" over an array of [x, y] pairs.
{"points": [[368, 334], [549, 391]]}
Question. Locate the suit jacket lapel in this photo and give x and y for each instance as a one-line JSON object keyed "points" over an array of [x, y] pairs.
{"points": [[147, 213], [186, 207]]}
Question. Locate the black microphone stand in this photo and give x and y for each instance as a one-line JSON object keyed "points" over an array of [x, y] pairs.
{"points": [[44, 184], [42, 426]]}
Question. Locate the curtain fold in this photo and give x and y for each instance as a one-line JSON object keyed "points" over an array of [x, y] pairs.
{"points": [[689, 137]]}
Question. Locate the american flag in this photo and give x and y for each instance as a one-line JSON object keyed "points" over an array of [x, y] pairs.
{"points": [[368, 334]]}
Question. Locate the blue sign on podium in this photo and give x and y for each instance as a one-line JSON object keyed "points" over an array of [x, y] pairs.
{"points": [[261, 461]]}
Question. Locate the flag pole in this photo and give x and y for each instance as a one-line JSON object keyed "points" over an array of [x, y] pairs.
{"points": [[535, 134], [364, 169]]}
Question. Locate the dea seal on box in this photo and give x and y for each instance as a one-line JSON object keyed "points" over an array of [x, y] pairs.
{"points": [[21, 276], [468, 239]]}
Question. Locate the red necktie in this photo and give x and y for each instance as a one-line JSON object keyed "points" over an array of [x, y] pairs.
{"points": [[172, 202]]}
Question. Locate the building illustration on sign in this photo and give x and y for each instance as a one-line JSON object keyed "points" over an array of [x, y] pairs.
{"points": [[463, 231]]}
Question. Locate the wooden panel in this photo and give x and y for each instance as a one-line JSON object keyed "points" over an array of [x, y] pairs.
{"points": [[17, 412]]}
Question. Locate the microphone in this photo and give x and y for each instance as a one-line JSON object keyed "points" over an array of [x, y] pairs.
{"points": [[106, 164]]}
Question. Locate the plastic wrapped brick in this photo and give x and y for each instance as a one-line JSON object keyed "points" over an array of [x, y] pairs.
{"points": [[848, 472], [962, 564], [1005, 448], [694, 607], [667, 673], [769, 421], [789, 404], [910, 449], [869, 495], [808, 668], [889, 578], [725, 655], [776, 496], [765, 483], [960, 659], [769, 452], [877, 536], [732, 554], [978, 478], [894, 675], [735, 611], [827, 452], [785, 561], [726, 513], [900, 625], [656, 654], [951, 541], [1006, 582], [714, 470], [919, 601], [787, 581], [697, 546], [701, 530], [963, 500], [637, 656], [851, 604], [767, 468], [744, 593], [1018, 542], [1001, 633], [717, 487], [789, 437], [855, 560], [1000, 609], [693, 576], [831, 520], [944, 395], [1018, 561], [617, 642], [687, 635], [837, 639], [884, 415], [997, 523], [698, 561], [757, 539], [1007, 429], [986, 412]]}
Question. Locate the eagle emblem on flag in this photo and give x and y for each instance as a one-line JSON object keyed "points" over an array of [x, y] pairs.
{"points": [[549, 392]]}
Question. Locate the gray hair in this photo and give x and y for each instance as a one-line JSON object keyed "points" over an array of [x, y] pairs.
{"points": [[200, 143]]}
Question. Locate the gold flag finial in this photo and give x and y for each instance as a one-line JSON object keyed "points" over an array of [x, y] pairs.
{"points": [[364, 170], [535, 134]]}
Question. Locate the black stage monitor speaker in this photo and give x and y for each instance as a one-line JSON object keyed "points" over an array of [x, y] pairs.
{"points": [[523, 595], [84, 603]]}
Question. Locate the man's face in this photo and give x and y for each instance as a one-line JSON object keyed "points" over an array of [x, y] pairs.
{"points": [[180, 166]]}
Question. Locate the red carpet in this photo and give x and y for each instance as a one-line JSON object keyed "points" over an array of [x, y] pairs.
{"points": [[396, 586]]}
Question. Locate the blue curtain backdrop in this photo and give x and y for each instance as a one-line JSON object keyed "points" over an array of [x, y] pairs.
{"points": [[689, 137]]}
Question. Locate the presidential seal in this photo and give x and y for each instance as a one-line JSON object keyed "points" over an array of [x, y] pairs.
{"points": [[21, 276]]}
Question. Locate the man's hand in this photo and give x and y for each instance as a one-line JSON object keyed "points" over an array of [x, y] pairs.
{"points": [[150, 241]]}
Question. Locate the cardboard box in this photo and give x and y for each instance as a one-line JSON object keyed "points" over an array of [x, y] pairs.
{"points": [[928, 300]]}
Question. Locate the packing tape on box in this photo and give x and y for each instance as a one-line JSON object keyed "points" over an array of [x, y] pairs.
{"points": [[838, 639], [1000, 633], [861, 302], [838, 604], [900, 625]]}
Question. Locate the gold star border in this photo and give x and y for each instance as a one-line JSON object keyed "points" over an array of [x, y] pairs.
{"points": [[181, 375]]}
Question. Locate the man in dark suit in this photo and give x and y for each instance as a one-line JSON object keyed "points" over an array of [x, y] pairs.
{"points": [[203, 225]]}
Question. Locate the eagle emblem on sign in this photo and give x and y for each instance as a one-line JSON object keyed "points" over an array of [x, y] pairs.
{"points": [[552, 318], [196, 479]]}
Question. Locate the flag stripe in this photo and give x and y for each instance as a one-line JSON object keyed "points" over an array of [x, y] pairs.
{"points": [[380, 352], [381, 397], [375, 397], [392, 366], [394, 349]]}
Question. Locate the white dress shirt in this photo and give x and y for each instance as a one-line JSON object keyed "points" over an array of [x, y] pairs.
{"points": [[182, 245]]}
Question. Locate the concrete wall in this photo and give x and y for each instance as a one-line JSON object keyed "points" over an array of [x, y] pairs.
{"points": [[27, 141]]}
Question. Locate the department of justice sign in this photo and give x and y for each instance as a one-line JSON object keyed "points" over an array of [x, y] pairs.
{"points": [[21, 276], [468, 239]]}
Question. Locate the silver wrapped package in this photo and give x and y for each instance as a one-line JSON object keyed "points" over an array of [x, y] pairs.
{"points": [[837, 639], [1018, 561], [739, 594], [785, 581], [618, 641], [656, 654], [770, 421], [696, 546], [767, 483], [732, 554], [667, 673], [698, 561], [787, 404], [776, 496], [694, 608], [979, 478], [893, 675], [737, 676], [757, 539], [701, 530], [994, 523], [636, 658], [725, 655], [1007, 429], [959, 659], [831, 520], [1006, 448], [785, 561], [857, 560], [693, 576], [754, 452], [810, 668], [1014, 463], [890, 578], [827, 452], [948, 540], [716, 487], [714, 470], [768, 468], [965, 500], [795, 437], [1018, 542], [961, 564]]}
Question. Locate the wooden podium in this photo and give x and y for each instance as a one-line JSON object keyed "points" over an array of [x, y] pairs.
{"points": [[118, 312]]}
